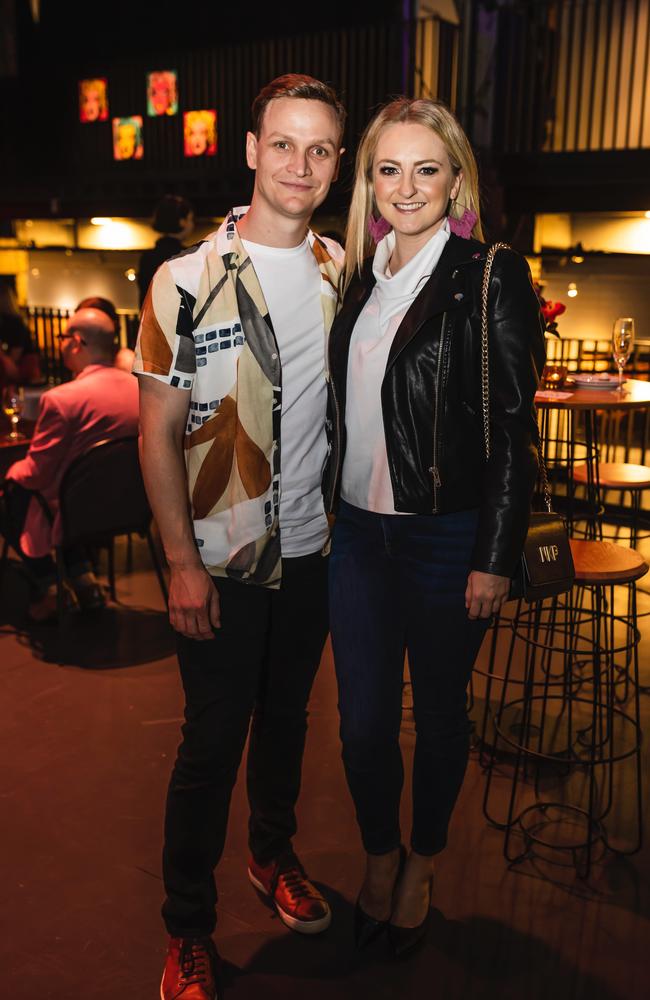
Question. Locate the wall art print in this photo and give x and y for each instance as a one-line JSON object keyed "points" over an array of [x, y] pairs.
{"points": [[162, 92], [127, 138], [200, 132], [93, 100]]}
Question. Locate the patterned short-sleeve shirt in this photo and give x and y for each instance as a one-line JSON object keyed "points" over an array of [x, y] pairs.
{"points": [[205, 328]]}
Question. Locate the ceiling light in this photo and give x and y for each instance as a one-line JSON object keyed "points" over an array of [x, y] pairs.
{"points": [[100, 220], [130, 274], [572, 290]]}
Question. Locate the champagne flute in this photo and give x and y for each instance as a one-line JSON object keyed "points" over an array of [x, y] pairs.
{"points": [[622, 344], [12, 404]]}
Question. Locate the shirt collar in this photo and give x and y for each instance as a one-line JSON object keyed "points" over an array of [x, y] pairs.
{"points": [[229, 242], [408, 278]]}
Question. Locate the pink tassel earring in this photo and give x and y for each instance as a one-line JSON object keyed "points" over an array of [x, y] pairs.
{"points": [[463, 227], [378, 228]]}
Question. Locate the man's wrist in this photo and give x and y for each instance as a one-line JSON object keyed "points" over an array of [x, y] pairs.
{"points": [[184, 561]]}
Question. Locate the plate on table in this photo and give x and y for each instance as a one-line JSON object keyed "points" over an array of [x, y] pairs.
{"points": [[594, 380]]}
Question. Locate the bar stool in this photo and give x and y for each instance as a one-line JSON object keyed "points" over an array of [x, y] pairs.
{"points": [[561, 729], [624, 476]]}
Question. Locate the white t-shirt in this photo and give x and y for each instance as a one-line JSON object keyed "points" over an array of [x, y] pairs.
{"points": [[291, 285], [365, 481]]}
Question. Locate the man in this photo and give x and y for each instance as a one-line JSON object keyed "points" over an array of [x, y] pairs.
{"points": [[232, 340], [101, 402]]}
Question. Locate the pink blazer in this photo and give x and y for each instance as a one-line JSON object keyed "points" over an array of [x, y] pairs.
{"points": [[101, 402]]}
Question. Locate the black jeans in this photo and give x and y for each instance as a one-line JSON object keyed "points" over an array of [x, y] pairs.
{"points": [[262, 662], [397, 584]]}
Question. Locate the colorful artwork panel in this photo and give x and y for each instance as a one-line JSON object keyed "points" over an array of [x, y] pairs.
{"points": [[93, 100], [200, 132], [127, 138], [162, 92]]}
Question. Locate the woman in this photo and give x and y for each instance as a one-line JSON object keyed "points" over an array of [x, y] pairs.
{"points": [[428, 532], [19, 359]]}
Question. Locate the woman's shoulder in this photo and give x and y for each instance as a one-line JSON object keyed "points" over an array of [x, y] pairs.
{"points": [[360, 281], [507, 261]]}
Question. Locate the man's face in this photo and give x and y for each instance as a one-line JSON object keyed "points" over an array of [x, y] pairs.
{"points": [[296, 155], [69, 345]]}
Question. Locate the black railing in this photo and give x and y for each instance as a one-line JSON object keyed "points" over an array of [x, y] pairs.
{"points": [[572, 75]]}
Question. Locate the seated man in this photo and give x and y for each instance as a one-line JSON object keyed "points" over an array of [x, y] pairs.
{"points": [[101, 402], [124, 356]]}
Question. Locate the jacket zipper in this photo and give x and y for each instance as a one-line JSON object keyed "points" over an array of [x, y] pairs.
{"points": [[434, 470]]}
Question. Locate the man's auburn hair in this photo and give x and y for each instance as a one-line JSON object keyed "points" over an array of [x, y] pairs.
{"points": [[296, 85]]}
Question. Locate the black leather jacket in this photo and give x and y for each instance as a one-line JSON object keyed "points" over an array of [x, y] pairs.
{"points": [[431, 398]]}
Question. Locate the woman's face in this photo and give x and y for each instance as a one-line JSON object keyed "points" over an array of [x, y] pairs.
{"points": [[198, 138], [126, 141], [160, 94], [413, 179], [91, 105]]}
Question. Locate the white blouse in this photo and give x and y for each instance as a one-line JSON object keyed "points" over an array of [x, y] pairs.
{"points": [[365, 480]]}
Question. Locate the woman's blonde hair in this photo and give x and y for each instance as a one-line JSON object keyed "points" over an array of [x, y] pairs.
{"points": [[433, 115]]}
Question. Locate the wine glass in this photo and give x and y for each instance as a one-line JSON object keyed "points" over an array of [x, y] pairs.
{"points": [[622, 344], [12, 404]]}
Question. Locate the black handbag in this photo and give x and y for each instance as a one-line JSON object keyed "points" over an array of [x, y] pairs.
{"points": [[546, 566]]}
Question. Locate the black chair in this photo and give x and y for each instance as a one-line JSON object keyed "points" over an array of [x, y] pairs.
{"points": [[101, 497]]}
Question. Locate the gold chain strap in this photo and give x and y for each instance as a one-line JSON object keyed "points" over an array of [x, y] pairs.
{"points": [[485, 370], [485, 359]]}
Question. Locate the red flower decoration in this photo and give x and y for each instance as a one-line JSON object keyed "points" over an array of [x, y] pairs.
{"points": [[550, 311]]}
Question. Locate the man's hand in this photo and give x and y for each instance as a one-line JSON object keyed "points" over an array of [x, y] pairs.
{"points": [[193, 602], [485, 594]]}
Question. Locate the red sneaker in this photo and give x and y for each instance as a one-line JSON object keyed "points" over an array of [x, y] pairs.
{"points": [[190, 970], [299, 903]]}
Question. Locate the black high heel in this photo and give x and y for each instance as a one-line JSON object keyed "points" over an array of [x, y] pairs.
{"points": [[405, 940], [366, 928]]}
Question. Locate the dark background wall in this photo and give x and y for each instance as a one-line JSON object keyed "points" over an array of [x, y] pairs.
{"points": [[222, 54]]}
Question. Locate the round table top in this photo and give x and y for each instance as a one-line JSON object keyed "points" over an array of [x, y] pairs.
{"points": [[26, 428], [606, 562], [635, 395]]}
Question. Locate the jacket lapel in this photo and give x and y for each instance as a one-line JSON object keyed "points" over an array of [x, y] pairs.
{"points": [[442, 293]]}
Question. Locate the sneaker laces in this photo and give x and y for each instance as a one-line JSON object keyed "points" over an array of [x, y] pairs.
{"points": [[295, 881], [194, 961]]}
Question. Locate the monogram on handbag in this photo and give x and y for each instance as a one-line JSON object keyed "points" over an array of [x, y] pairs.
{"points": [[546, 566]]}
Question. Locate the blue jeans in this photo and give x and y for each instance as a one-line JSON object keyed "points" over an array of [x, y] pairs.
{"points": [[397, 584]]}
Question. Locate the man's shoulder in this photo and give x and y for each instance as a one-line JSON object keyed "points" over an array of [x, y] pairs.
{"points": [[86, 384], [184, 269], [193, 256], [334, 250]]}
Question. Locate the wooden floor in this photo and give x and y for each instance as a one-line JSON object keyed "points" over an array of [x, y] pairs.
{"points": [[90, 722]]}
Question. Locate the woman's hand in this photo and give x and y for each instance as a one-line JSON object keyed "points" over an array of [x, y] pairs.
{"points": [[485, 594]]}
